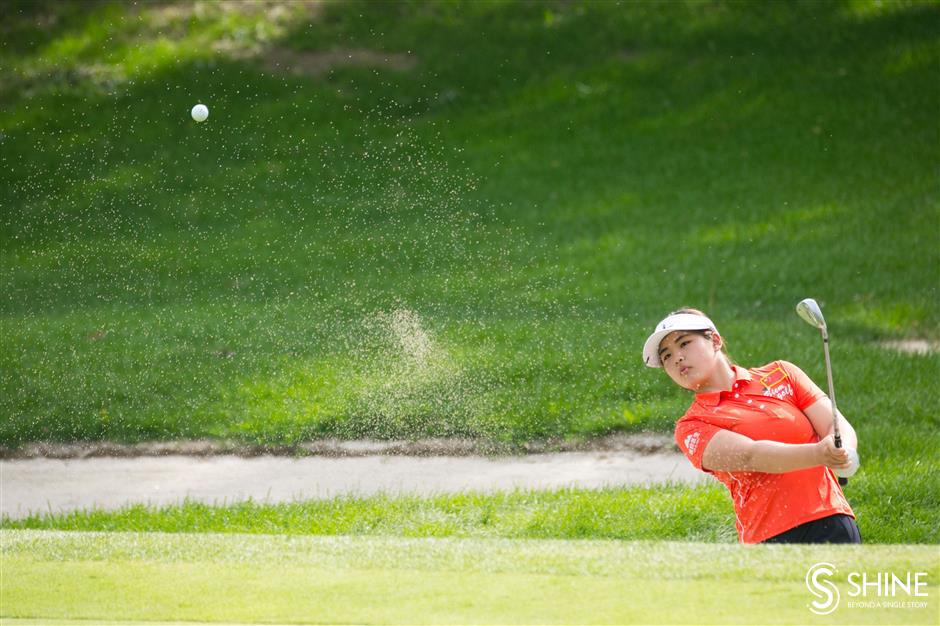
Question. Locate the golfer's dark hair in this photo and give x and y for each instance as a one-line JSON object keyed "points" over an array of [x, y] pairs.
{"points": [[705, 333]]}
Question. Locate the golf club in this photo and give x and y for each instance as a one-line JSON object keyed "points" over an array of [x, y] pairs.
{"points": [[809, 310]]}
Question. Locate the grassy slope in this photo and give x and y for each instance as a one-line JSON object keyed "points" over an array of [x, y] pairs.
{"points": [[240, 578], [541, 186]]}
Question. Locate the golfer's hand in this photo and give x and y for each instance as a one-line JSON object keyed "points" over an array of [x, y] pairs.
{"points": [[854, 462], [832, 457]]}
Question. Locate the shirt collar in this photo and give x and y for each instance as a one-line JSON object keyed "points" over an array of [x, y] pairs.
{"points": [[741, 377]]}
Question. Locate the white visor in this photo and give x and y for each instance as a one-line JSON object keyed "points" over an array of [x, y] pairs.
{"points": [[680, 321]]}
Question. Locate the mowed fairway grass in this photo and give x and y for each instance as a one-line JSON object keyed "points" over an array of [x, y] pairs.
{"points": [[281, 579]]}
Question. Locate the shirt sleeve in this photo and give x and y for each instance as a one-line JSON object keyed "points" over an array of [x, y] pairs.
{"points": [[692, 435], [805, 391]]}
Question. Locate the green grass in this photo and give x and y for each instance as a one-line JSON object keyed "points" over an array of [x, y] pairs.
{"points": [[666, 512], [471, 244], [542, 184], [253, 579]]}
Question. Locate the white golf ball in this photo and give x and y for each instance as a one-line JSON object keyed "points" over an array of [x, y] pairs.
{"points": [[200, 112]]}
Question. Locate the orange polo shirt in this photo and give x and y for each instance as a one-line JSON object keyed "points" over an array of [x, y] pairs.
{"points": [[765, 403]]}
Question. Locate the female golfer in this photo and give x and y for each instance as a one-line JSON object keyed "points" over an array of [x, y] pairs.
{"points": [[766, 433]]}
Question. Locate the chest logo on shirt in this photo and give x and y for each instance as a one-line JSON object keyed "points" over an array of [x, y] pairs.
{"points": [[691, 442], [777, 384]]}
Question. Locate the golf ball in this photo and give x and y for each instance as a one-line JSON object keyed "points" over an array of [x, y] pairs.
{"points": [[200, 112]]}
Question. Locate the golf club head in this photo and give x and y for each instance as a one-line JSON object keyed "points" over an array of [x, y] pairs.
{"points": [[809, 310]]}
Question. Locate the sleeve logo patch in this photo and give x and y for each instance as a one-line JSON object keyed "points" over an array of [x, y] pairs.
{"points": [[691, 442], [776, 377], [777, 384]]}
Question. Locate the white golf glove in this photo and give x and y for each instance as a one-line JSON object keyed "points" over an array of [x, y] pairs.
{"points": [[852, 468]]}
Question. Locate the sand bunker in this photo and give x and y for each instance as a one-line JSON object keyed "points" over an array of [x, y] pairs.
{"points": [[57, 485]]}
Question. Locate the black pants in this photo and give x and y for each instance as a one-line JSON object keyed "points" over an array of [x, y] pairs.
{"points": [[833, 529]]}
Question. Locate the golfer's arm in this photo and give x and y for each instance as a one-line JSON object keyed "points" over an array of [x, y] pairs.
{"points": [[820, 414], [731, 452]]}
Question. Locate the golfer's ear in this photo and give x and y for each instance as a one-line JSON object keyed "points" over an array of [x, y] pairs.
{"points": [[717, 341]]}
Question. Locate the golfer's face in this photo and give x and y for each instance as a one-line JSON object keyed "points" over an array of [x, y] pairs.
{"points": [[688, 357]]}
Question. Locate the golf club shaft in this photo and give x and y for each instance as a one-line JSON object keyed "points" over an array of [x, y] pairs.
{"points": [[836, 436]]}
